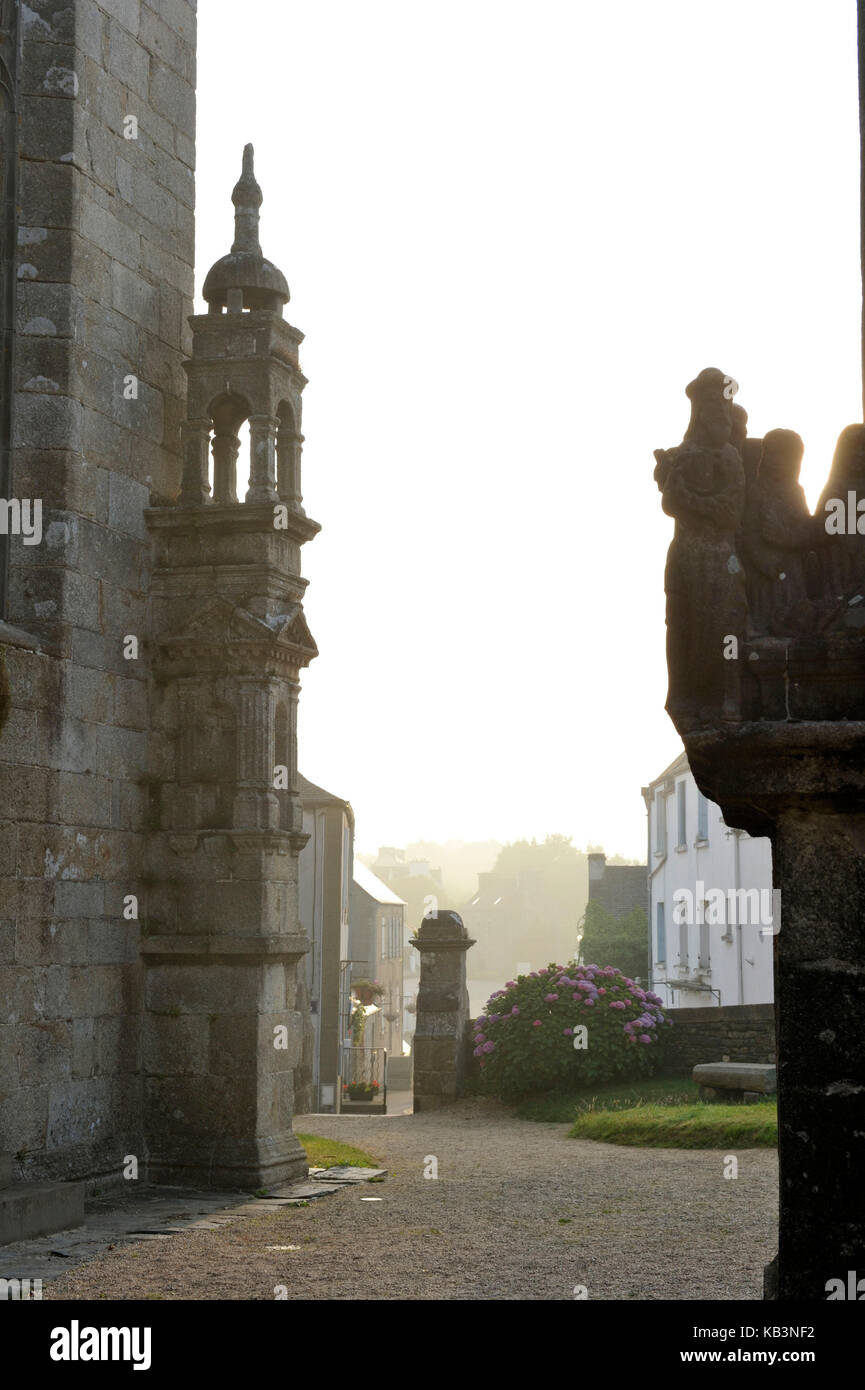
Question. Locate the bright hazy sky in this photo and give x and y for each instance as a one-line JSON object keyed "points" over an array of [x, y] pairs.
{"points": [[513, 232]]}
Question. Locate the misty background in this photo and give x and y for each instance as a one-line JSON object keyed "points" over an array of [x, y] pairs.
{"points": [[513, 233]]}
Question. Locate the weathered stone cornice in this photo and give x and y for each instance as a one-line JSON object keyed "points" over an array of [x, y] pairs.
{"points": [[240, 841], [221, 519], [761, 770], [236, 949]]}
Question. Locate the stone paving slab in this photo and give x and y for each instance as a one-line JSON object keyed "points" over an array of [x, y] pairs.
{"points": [[303, 1191], [148, 1216], [345, 1173], [120, 1217]]}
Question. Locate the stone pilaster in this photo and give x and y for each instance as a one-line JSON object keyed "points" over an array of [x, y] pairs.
{"points": [[256, 805]]}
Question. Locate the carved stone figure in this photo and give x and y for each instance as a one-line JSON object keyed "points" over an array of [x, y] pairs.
{"points": [[748, 448], [777, 534], [842, 548], [703, 487]]}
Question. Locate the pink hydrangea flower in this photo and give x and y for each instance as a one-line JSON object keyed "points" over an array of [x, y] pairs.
{"points": [[537, 1023]]}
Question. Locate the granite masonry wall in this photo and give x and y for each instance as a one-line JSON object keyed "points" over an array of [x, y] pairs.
{"points": [[741, 1032], [105, 237]]}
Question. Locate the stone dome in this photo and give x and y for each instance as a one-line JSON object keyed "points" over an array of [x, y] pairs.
{"points": [[256, 282]]}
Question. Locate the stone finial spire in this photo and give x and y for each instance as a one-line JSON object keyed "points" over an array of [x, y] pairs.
{"points": [[245, 279], [247, 199]]}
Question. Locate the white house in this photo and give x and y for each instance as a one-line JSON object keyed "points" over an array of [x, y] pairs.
{"points": [[712, 910]]}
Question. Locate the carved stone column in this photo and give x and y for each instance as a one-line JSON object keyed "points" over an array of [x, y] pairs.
{"points": [[195, 485], [803, 784], [288, 450], [225, 450], [262, 464]]}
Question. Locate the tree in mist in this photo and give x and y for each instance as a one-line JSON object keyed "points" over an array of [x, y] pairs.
{"points": [[618, 941]]}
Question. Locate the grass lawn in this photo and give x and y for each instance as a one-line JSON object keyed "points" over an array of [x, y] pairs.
{"points": [[619, 1095], [660, 1112], [699, 1126], [329, 1153]]}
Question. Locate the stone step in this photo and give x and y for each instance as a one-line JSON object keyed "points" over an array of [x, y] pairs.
{"points": [[38, 1209], [5, 1170]]}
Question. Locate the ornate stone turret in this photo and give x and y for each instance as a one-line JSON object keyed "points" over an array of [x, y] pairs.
{"points": [[221, 926], [766, 656], [244, 329]]}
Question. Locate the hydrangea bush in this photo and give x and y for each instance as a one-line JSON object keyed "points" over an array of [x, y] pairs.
{"points": [[524, 1039]]}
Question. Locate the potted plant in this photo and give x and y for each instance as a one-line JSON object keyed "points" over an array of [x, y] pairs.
{"points": [[362, 1090]]}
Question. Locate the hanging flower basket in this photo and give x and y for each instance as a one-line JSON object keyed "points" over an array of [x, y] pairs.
{"points": [[367, 991]]}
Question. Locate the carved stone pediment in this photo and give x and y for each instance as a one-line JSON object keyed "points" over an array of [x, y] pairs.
{"points": [[224, 635]]}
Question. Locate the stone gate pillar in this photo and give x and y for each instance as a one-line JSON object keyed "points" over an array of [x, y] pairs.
{"points": [[442, 1010]]}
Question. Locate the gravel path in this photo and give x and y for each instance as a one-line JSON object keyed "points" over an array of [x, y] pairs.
{"points": [[518, 1211]]}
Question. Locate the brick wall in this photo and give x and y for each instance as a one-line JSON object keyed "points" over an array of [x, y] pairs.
{"points": [[104, 286], [742, 1032]]}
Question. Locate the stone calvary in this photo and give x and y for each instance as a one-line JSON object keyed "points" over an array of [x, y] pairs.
{"points": [[766, 662]]}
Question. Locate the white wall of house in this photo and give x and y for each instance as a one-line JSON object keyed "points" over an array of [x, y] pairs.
{"points": [[698, 869]]}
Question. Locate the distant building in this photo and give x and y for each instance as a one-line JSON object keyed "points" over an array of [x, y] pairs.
{"points": [[392, 864], [378, 951], [710, 899], [325, 874], [617, 888], [516, 928]]}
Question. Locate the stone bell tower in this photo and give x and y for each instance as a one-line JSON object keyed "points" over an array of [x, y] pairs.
{"points": [[221, 935]]}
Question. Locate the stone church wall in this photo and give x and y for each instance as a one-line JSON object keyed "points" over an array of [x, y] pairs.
{"points": [[104, 288]]}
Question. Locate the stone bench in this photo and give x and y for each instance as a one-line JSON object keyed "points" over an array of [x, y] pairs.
{"points": [[735, 1081]]}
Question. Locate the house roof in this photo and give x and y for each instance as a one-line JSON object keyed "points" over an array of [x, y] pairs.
{"points": [[312, 795], [677, 766], [373, 887], [310, 792]]}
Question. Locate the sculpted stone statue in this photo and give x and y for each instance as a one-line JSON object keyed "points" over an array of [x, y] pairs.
{"points": [[777, 535], [842, 547], [702, 482]]}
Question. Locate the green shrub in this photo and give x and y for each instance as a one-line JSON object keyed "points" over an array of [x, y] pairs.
{"points": [[566, 1026]]}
